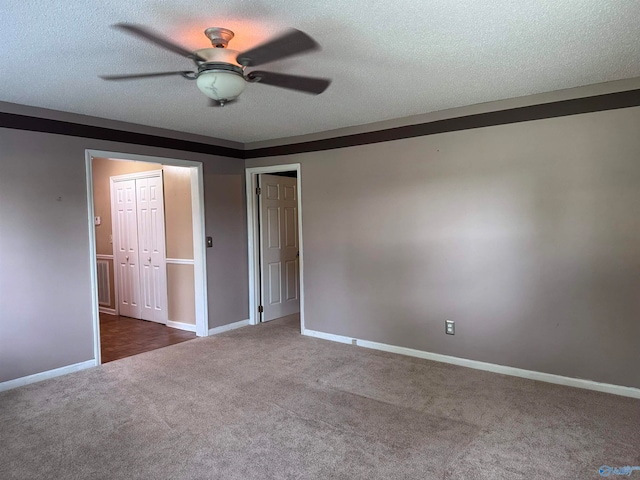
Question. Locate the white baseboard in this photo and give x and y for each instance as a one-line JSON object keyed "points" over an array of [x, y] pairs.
{"points": [[489, 367], [37, 377], [107, 310], [329, 336], [226, 328], [181, 326]]}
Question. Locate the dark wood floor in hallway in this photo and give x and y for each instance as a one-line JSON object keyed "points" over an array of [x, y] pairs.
{"points": [[122, 337]]}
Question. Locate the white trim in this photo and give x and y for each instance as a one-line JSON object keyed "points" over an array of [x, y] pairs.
{"points": [[199, 250], [488, 367], [37, 377], [252, 246], [231, 326], [104, 256], [328, 336], [199, 241], [254, 281], [189, 327], [93, 265], [107, 310], [180, 261], [136, 175]]}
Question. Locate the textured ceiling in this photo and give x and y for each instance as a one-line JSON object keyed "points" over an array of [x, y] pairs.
{"points": [[388, 59]]}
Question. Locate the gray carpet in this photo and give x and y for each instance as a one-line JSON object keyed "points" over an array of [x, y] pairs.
{"points": [[264, 402]]}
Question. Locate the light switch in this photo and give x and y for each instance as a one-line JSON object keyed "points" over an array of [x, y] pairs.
{"points": [[209, 242], [450, 327], [97, 220]]}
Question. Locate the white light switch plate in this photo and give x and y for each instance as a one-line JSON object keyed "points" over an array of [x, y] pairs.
{"points": [[450, 327]]}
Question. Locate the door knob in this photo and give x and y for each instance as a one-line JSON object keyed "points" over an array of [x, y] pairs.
{"points": [[149, 259], [127, 258]]}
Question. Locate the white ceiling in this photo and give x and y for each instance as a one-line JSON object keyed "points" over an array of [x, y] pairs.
{"points": [[388, 59]]}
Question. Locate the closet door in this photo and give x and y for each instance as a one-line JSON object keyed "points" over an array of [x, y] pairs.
{"points": [[125, 231], [151, 249]]}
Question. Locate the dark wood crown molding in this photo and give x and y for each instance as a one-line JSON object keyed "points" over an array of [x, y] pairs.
{"points": [[45, 125], [563, 108]]}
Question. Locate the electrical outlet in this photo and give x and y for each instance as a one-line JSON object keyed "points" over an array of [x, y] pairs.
{"points": [[449, 327]]}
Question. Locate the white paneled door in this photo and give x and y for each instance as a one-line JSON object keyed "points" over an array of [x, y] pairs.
{"points": [[140, 246], [151, 251], [279, 263], [125, 238]]}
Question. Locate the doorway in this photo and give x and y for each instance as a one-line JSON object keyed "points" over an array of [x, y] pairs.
{"points": [[276, 261], [138, 285]]}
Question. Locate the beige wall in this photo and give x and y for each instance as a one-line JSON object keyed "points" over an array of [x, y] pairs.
{"points": [[178, 228], [178, 213], [45, 284], [181, 294], [526, 235]]}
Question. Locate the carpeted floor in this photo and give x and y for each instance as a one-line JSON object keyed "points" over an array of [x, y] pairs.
{"points": [[266, 403]]}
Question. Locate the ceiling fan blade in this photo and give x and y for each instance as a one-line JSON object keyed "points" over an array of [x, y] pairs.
{"points": [[290, 43], [135, 76], [157, 39], [292, 82]]}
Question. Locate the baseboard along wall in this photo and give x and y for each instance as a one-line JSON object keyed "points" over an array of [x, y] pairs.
{"points": [[181, 326], [37, 377], [488, 367], [463, 362], [226, 328]]}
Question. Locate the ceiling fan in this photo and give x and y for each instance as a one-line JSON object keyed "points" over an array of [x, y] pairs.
{"points": [[221, 73]]}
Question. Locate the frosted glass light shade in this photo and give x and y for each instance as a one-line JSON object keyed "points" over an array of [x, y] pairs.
{"points": [[221, 85]]}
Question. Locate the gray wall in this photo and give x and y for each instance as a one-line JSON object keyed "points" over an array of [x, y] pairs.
{"points": [[527, 235], [45, 291]]}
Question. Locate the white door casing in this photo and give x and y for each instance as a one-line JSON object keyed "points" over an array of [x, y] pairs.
{"points": [[151, 241], [139, 243], [279, 265], [125, 240]]}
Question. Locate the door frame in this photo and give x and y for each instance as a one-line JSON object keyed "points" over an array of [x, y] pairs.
{"points": [[254, 240], [124, 177], [199, 240]]}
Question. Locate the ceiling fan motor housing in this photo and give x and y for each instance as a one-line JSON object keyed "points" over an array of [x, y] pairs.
{"points": [[219, 55]]}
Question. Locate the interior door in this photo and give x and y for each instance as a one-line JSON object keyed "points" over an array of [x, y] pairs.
{"points": [[279, 263], [151, 251], [125, 227]]}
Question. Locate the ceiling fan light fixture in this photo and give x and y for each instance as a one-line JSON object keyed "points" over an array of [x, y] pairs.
{"points": [[221, 86]]}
